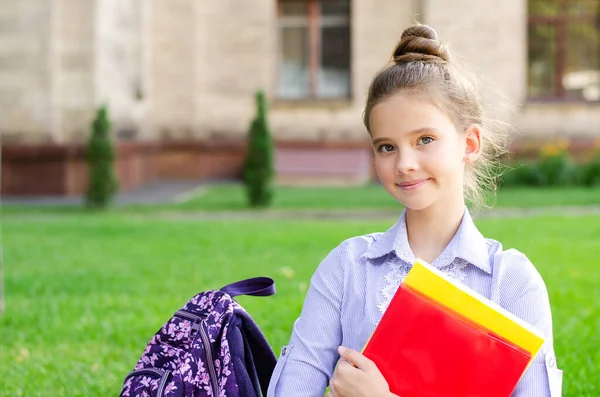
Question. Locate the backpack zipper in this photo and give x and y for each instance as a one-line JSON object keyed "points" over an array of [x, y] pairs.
{"points": [[189, 316], [162, 384], [197, 326], [164, 376], [209, 359]]}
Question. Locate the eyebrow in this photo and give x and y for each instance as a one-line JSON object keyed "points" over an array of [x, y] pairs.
{"points": [[413, 132]]}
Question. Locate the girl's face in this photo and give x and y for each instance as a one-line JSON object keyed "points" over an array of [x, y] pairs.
{"points": [[419, 156]]}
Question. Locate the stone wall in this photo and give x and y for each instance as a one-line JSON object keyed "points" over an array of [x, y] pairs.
{"points": [[376, 28], [27, 85], [493, 46], [182, 69], [61, 59], [207, 68], [574, 121], [119, 74], [180, 74], [73, 71], [173, 60]]}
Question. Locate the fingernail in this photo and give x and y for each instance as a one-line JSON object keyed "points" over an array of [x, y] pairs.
{"points": [[341, 349]]}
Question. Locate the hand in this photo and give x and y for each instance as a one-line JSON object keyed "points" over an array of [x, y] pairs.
{"points": [[357, 376]]}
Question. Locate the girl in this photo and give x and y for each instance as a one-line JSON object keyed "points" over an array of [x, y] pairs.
{"points": [[432, 150]]}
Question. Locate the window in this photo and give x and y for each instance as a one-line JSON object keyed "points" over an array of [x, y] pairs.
{"points": [[314, 49], [564, 49]]}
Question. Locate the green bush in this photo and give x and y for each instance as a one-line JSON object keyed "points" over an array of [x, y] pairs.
{"points": [[258, 170], [558, 170], [590, 175], [100, 156], [526, 174], [553, 167]]}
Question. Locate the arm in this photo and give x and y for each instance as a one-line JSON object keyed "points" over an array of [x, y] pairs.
{"points": [[530, 302], [307, 362]]}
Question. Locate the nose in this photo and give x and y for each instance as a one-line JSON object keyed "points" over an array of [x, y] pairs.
{"points": [[406, 162]]}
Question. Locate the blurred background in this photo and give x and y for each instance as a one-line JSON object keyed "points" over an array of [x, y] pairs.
{"points": [[184, 113], [179, 76]]}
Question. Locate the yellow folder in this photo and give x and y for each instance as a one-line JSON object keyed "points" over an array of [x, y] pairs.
{"points": [[436, 285]]}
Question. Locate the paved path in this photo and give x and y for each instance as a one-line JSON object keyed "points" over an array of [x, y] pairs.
{"points": [[157, 193], [505, 212], [301, 215], [180, 191]]}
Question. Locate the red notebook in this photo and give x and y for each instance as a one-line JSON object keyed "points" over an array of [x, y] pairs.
{"points": [[426, 349]]}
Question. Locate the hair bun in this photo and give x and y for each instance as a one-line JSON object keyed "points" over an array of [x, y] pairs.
{"points": [[424, 31], [420, 43]]}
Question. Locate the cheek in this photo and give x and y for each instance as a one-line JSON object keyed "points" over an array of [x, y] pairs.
{"points": [[447, 157], [384, 166]]}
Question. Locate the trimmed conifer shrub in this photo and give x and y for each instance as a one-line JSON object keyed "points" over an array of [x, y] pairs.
{"points": [[100, 156], [258, 169]]}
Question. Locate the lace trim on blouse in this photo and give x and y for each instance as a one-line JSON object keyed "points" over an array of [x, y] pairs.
{"points": [[399, 271]]}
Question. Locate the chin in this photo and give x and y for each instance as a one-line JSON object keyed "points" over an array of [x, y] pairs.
{"points": [[413, 202], [416, 206]]}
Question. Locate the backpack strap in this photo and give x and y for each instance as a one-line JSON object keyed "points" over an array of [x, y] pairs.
{"points": [[263, 359], [257, 286]]}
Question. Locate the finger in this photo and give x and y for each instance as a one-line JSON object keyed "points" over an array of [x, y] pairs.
{"points": [[345, 370], [341, 360], [355, 358], [331, 392]]}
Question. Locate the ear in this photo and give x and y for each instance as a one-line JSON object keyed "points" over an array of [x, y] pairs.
{"points": [[472, 143]]}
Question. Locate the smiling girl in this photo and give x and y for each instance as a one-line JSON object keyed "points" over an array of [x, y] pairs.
{"points": [[433, 149]]}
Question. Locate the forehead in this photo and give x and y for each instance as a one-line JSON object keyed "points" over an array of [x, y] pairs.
{"points": [[402, 113]]}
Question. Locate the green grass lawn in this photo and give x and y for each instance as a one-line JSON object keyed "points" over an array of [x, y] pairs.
{"points": [[226, 197], [84, 293]]}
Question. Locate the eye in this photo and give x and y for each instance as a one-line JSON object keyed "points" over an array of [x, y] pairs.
{"points": [[385, 148], [426, 140]]}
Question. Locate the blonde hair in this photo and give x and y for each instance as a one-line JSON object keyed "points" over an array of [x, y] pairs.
{"points": [[422, 65]]}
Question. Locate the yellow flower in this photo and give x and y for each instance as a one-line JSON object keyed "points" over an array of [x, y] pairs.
{"points": [[549, 150], [563, 144], [555, 147]]}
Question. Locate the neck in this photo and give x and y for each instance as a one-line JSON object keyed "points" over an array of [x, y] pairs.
{"points": [[431, 229]]}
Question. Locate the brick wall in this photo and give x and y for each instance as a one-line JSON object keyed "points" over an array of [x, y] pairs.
{"points": [[61, 169], [54, 169]]}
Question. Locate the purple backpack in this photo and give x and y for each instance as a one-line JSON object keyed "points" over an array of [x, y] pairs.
{"points": [[210, 347]]}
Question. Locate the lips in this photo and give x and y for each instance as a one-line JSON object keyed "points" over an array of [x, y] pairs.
{"points": [[413, 184]]}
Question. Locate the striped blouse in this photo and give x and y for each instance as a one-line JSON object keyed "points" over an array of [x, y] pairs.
{"points": [[353, 285]]}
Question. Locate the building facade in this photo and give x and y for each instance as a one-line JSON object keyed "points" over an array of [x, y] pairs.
{"points": [[179, 79]]}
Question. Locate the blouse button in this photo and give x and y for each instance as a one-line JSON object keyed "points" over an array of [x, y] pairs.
{"points": [[551, 361], [284, 351]]}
